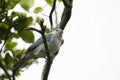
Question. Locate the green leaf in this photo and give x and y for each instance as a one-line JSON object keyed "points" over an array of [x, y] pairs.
{"points": [[10, 45], [60, 0], [2, 60], [16, 36], [2, 4], [3, 30], [50, 2], [4, 26], [8, 61], [37, 10], [17, 73], [14, 14], [22, 22], [10, 4], [47, 30], [27, 36], [17, 52], [27, 4], [3, 76]]}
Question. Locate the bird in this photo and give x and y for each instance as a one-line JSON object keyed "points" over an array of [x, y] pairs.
{"points": [[37, 49]]}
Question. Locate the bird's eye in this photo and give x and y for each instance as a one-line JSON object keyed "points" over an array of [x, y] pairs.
{"points": [[57, 30]]}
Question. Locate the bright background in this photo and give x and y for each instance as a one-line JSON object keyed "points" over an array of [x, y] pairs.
{"points": [[91, 50]]}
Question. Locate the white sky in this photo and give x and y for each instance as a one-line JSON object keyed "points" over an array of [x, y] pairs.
{"points": [[91, 50]]}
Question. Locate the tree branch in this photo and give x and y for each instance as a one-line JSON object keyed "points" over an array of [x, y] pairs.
{"points": [[66, 13], [48, 61], [6, 72], [5, 40], [1, 65], [31, 28], [51, 12], [65, 18], [46, 70]]}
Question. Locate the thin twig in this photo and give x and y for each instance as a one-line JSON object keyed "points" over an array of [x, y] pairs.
{"points": [[13, 74], [6, 72], [56, 18], [5, 39], [1, 65], [51, 12], [2, 47], [44, 38], [31, 28], [48, 61]]}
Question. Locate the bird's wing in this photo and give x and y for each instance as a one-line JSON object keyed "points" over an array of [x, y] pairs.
{"points": [[31, 48], [39, 42]]}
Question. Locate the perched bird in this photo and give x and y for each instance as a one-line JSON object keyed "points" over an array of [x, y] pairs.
{"points": [[37, 49]]}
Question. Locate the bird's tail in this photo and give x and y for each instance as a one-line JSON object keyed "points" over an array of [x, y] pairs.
{"points": [[19, 64]]}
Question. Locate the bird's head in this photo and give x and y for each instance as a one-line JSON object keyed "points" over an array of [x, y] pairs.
{"points": [[58, 32]]}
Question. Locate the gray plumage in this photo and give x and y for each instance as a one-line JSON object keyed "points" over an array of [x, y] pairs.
{"points": [[37, 50]]}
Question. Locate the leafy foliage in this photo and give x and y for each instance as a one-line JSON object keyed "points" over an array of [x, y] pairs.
{"points": [[10, 45], [22, 22], [25, 35], [27, 4], [12, 26], [11, 3], [38, 9], [59, 0], [8, 61], [50, 2]]}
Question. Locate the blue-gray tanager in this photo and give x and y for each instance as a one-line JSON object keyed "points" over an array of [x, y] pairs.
{"points": [[37, 50]]}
